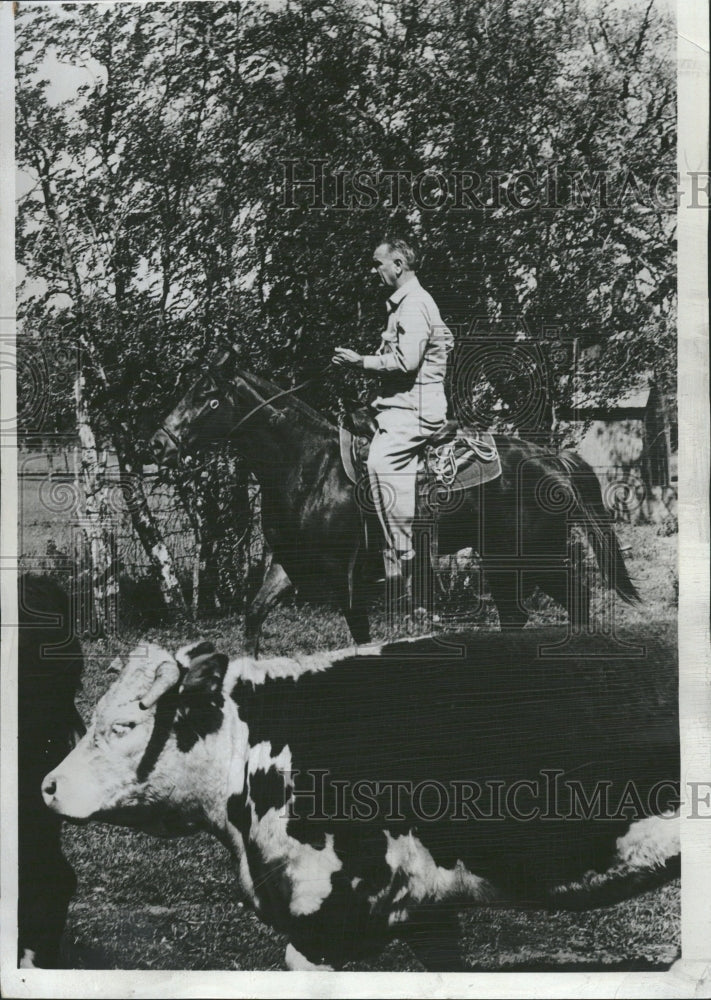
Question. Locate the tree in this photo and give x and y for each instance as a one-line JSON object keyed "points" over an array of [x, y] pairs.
{"points": [[161, 225]]}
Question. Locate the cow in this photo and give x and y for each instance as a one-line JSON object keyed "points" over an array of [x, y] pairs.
{"points": [[49, 670], [374, 792]]}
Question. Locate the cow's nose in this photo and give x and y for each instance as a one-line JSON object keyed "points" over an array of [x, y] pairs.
{"points": [[49, 789]]}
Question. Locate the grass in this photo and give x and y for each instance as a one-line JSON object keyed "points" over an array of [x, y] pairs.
{"points": [[145, 903]]}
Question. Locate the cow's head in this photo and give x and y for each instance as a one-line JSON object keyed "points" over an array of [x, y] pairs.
{"points": [[139, 762]]}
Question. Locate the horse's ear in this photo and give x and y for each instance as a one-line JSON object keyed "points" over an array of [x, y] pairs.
{"points": [[230, 353]]}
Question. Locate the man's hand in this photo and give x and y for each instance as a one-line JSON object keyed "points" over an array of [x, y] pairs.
{"points": [[344, 356]]}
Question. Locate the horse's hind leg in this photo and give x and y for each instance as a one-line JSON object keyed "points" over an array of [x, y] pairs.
{"points": [[505, 590], [569, 587], [275, 585]]}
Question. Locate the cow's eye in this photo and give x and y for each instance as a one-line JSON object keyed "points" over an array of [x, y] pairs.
{"points": [[121, 728], [214, 403]]}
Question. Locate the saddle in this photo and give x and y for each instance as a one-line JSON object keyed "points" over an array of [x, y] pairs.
{"points": [[456, 457]]}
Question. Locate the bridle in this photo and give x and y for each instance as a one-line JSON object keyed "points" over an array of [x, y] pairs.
{"points": [[255, 409], [173, 439], [279, 395]]}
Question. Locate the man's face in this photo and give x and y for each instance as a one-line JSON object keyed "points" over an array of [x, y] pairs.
{"points": [[386, 268]]}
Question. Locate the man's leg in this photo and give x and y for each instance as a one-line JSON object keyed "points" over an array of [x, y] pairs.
{"points": [[392, 464]]}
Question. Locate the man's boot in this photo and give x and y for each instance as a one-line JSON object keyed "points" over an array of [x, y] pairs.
{"points": [[422, 594], [407, 568], [398, 597]]}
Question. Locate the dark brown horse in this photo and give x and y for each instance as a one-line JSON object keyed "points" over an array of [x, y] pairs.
{"points": [[519, 523]]}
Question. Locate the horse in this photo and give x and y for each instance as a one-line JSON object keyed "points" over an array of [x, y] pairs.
{"points": [[519, 524]]}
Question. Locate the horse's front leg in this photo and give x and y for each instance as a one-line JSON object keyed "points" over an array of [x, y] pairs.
{"points": [[275, 586], [434, 934], [353, 596], [356, 615]]}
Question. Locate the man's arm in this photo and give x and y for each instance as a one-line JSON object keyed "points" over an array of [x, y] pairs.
{"points": [[409, 348]]}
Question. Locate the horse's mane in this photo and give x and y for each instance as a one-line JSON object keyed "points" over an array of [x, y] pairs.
{"points": [[268, 388]]}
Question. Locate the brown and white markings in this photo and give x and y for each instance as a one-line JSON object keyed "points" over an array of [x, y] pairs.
{"points": [[372, 795]]}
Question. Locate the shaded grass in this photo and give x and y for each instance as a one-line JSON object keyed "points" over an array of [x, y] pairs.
{"points": [[149, 904], [145, 903]]}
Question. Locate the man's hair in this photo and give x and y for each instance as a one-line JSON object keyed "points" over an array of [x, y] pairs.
{"points": [[403, 249]]}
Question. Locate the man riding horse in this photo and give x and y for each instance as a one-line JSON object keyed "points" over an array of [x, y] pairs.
{"points": [[411, 362], [518, 521]]}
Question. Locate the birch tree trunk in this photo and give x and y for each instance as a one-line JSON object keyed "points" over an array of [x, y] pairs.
{"points": [[99, 511], [149, 534], [96, 521], [204, 596]]}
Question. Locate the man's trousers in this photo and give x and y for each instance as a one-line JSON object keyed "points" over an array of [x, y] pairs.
{"points": [[392, 467]]}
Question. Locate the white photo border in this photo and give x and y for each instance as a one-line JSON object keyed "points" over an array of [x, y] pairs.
{"points": [[692, 974]]}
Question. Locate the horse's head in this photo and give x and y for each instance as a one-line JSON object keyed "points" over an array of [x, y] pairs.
{"points": [[204, 417], [227, 403]]}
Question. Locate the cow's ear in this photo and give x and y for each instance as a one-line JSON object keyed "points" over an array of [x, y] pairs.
{"points": [[187, 655], [206, 674]]}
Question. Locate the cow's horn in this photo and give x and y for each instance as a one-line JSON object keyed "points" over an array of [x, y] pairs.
{"points": [[167, 675], [115, 667]]}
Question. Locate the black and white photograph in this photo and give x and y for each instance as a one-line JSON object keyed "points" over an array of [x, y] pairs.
{"points": [[355, 458]]}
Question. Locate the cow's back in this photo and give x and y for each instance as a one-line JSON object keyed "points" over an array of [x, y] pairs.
{"points": [[492, 715]]}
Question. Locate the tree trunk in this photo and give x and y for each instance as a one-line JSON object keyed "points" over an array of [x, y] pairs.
{"points": [[209, 572], [229, 506], [258, 552], [197, 565], [244, 522], [96, 523], [189, 498], [149, 534]]}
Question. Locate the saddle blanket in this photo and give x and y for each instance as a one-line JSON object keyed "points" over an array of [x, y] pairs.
{"points": [[470, 459]]}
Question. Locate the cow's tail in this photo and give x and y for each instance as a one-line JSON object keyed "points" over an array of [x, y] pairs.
{"points": [[598, 524], [613, 886]]}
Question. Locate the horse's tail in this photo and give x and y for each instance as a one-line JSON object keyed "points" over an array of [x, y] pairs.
{"points": [[598, 522]]}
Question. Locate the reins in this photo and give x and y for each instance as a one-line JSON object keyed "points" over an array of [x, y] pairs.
{"points": [[175, 441], [255, 409], [279, 395]]}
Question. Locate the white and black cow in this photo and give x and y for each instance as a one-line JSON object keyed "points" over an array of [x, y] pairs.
{"points": [[562, 776], [49, 671]]}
